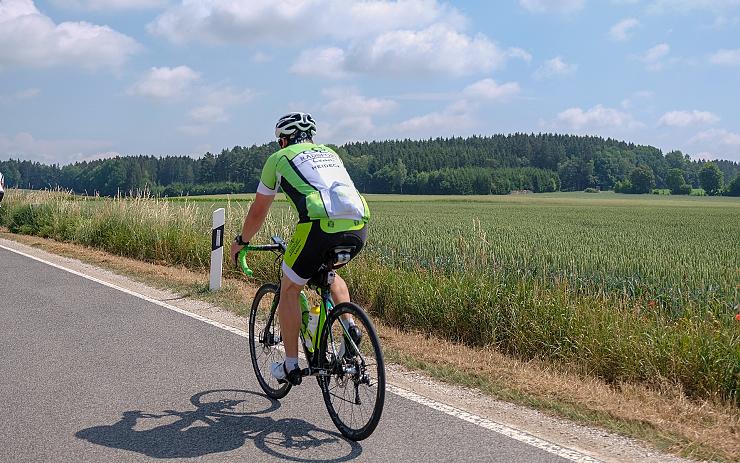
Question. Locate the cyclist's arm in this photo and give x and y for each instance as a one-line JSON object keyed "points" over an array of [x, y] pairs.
{"points": [[268, 186], [256, 215]]}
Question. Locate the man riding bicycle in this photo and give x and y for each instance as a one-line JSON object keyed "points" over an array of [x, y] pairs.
{"points": [[331, 213]]}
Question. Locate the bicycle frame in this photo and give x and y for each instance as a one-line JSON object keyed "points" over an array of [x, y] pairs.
{"points": [[325, 307]]}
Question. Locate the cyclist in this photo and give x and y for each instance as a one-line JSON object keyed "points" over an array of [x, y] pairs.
{"points": [[331, 212]]}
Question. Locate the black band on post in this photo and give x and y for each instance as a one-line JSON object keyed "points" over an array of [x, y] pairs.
{"points": [[217, 238]]}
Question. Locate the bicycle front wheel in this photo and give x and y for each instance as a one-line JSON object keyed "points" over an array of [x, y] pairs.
{"points": [[265, 340], [354, 392]]}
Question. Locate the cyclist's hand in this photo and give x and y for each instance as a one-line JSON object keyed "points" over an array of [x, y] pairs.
{"points": [[235, 248]]}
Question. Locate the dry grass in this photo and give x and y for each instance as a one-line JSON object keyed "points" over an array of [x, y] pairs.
{"points": [[665, 418]]}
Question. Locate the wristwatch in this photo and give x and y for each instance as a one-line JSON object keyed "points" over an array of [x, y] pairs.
{"points": [[238, 240]]}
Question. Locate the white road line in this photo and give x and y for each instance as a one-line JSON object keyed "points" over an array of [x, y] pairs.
{"points": [[499, 428]]}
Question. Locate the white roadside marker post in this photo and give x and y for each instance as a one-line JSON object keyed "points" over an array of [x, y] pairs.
{"points": [[217, 248]]}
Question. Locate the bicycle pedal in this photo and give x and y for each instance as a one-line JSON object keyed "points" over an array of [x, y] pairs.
{"points": [[295, 377]]}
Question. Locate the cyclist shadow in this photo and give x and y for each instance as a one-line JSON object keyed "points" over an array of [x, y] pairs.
{"points": [[223, 421]]}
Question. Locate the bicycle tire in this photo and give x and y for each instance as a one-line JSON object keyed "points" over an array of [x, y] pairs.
{"points": [[257, 349], [369, 360]]}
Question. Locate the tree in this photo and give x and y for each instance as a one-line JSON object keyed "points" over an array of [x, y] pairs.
{"points": [[711, 178], [642, 179], [733, 189], [675, 180], [676, 160], [576, 174]]}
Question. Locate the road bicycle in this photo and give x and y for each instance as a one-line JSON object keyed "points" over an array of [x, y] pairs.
{"points": [[351, 376]]}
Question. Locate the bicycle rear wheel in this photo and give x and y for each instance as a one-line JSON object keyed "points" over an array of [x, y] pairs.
{"points": [[265, 341], [354, 393]]}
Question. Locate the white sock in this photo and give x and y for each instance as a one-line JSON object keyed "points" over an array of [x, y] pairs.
{"points": [[348, 323], [291, 363]]}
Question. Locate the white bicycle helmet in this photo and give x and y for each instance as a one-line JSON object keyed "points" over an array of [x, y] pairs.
{"points": [[295, 122]]}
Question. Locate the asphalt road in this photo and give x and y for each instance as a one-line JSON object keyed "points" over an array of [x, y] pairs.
{"points": [[89, 373]]}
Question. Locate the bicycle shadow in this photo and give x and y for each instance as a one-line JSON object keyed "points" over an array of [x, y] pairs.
{"points": [[222, 421]]}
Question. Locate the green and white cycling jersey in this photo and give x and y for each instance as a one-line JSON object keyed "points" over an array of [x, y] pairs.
{"points": [[314, 178]]}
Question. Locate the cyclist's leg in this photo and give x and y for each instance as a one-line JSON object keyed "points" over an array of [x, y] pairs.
{"points": [[339, 294], [289, 313], [339, 290], [289, 310]]}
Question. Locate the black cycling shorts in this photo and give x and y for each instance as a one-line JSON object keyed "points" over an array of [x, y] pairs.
{"points": [[312, 241]]}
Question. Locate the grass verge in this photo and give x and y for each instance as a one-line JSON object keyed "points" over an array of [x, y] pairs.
{"points": [[664, 418], [500, 298]]}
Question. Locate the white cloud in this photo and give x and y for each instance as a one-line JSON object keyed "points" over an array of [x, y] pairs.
{"points": [[597, 117], [110, 4], [726, 57], [208, 114], [552, 6], [554, 67], [31, 39], [214, 105], [622, 30], [688, 6], [27, 93], [394, 37], [165, 83], [488, 89], [654, 57], [519, 53], [348, 101], [636, 97], [687, 118], [23, 145], [228, 21], [461, 116], [212, 102], [434, 50], [321, 62], [350, 115], [722, 143], [261, 57], [20, 95], [721, 136], [456, 119], [721, 22]]}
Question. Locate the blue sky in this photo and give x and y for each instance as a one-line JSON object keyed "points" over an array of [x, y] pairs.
{"points": [[84, 79]]}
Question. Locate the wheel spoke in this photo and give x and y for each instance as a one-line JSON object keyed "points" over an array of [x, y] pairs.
{"points": [[267, 349], [354, 399]]}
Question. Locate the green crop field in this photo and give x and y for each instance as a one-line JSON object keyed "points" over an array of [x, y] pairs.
{"points": [[621, 287]]}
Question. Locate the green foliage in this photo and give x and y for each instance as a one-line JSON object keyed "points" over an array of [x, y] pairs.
{"points": [[468, 180], [642, 179], [677, 160], [676, 181], [711, 178], [684, 189], [435, 166], [624, 186], [190, 189], [733, 189], [599, 284]]}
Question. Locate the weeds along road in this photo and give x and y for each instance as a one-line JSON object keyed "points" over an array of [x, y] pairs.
{"points": [[91, 373]]}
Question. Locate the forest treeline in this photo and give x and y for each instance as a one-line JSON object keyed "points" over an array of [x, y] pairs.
{"points": [[475, 165]]}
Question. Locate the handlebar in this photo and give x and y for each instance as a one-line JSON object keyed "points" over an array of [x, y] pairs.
{"points": [[279, 246]]}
